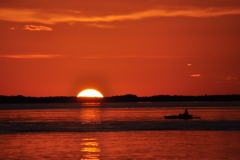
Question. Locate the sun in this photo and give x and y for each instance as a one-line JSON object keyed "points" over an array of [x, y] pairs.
{"points": [[90, 93]]}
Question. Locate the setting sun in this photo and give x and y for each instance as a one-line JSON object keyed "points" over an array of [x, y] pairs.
{"points": [[90, 93]]}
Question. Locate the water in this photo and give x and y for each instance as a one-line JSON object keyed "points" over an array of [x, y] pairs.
{"points": [[119, 131]]}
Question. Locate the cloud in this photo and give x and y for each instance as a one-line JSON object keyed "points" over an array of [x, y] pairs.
{"points": [[30, 56], [75, 11], [196, 75], [230, 78], [37, 16], [37, 28], [100, 25], [91, 56]]}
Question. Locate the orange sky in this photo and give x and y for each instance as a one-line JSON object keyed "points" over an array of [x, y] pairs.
{"points": [[154, 47]]}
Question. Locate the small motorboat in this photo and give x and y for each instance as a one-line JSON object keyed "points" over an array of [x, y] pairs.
{"points": [[181, 116]]}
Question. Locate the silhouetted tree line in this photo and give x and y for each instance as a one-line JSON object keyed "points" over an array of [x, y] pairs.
{"points": [[121, 98]]}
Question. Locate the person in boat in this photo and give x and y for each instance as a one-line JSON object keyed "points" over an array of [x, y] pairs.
{"points": [[185, 113]]}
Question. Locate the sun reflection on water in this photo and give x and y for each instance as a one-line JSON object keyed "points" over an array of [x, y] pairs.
{"points": [[90, 115], [90, 149], [89, 145]]}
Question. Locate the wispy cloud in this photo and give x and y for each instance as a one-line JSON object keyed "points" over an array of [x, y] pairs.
{"points": [[30, 56], [196, 75], [26, 15], [75, 11], [227, 80], [238, 82], [37, 28], [97, 25], [230, 78], [97, 57]]}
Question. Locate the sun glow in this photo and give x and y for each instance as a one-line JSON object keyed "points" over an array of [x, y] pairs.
{"points": [[90, 93]]}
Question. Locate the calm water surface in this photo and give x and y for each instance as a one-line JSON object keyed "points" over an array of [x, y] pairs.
{"points": [[119, 131]]}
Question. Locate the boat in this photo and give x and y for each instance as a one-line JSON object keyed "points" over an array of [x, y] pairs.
{"points": [[185, 115], [181, 116]]}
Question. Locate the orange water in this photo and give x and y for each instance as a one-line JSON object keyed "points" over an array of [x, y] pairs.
{"points": [[120, 133], [122, 145]]}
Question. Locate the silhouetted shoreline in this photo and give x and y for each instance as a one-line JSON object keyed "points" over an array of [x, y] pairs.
{"points": [[121, 98]]}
